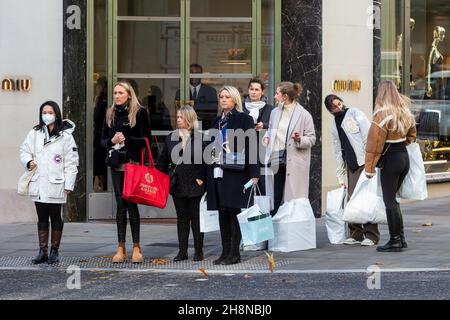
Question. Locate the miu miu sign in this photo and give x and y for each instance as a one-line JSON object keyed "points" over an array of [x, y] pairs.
{"points": [[9, 84], [346, 85]]}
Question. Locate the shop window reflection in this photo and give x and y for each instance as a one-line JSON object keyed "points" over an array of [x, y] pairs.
{"points": [[430, 85]]}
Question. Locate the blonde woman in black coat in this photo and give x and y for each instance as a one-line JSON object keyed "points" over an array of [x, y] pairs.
{"points": [[225, 185], [124, 130], [182, 154]]}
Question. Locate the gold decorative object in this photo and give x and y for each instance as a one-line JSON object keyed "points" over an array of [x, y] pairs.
{"points": [[434, 56]]}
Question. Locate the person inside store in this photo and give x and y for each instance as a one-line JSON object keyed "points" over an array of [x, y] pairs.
{"points": [[203, 96], [188, 179], [100, 107], [225, 181], [349, 134], [124, 132], [289, 140], [393, 128], [256, 106], [157, 110], [49, 150]]}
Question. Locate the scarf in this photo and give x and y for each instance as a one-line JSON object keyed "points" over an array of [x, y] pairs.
{"points": [[253, 108]]}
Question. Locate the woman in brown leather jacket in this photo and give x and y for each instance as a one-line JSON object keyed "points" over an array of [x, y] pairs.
{"points": [[393, 127]]}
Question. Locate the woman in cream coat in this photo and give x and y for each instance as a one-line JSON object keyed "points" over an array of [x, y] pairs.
{"points": [[291, 128]]}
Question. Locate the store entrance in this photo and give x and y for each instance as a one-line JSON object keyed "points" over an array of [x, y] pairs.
{"points": [[165, 48]]}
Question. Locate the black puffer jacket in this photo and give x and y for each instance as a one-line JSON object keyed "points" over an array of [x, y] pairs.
{"points": [[190, 166]]}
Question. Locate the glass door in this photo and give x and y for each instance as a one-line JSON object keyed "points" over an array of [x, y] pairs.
{"points": [[166, 48]]}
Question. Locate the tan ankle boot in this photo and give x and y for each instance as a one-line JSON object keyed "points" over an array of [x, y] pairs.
{"points": [[121, 255], [137, 254]]}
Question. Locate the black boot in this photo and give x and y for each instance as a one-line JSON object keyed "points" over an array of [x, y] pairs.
{"points": [[198, 255], [234, 256], [198, 240], [57, 229], [225, 235], [198, 245], [402, 232], [394, 244], [182, 255], [183, 237], [43, 243]]}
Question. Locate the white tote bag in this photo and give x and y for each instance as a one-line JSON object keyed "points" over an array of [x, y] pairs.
{"points": [[414, 186], [294, 227], [365, 205], [334, 222], [209, 219]]}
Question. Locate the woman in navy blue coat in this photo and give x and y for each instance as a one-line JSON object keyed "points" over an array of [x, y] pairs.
{"points": [[233, 133]]}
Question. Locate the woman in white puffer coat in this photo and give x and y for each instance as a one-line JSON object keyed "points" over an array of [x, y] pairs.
{"points": [[51, 149]]}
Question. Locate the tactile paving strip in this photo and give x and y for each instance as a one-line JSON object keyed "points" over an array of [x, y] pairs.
{"points": [[256, 264]]}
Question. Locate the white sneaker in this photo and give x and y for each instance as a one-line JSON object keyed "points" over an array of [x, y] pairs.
{"points": [[351, 241], [367, 242]]}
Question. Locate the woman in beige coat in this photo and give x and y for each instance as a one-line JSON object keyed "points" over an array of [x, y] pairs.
{"points": [[289, 140]]}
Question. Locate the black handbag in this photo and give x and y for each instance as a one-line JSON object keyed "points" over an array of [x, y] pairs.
{"points": [[233, 161], [116, 158], [173, 178], [278, 159], [382, 160], [173, 181]]}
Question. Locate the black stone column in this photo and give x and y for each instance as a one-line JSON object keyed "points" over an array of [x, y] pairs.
{"points": [[376, 48], [74, 96], [301, 61]]}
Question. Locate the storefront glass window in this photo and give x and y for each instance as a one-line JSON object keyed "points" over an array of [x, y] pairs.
{"points": [[148, 47], [430, 83], [167, 8], [391, 41], [268, 47], [215, 8], [100, 102]]}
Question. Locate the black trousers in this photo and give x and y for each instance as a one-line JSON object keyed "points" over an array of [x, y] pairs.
{"points": [[52, 211], [122, 208], [188, 216], [394, 172], [278, 189]]}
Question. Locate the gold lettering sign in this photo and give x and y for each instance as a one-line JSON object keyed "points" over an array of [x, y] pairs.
{"points": [[25, 84], [9, 84], [344, 85]]}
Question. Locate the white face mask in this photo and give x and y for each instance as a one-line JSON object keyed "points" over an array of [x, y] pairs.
{"points": [[48, 119]]}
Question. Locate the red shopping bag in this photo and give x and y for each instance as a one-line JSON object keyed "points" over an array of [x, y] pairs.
{"points": [[145, 185]]}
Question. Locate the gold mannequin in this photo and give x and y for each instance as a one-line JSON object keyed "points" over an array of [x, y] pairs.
{"points": [[435, 55], [412, 24]]}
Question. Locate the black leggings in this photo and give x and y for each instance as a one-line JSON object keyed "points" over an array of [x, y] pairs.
{"points": [[395, 169], [122, 208], [49, 210]]}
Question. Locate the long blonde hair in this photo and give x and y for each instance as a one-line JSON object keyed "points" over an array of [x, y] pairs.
{"points": [[133, 105], [390, 103], [235, 96]]}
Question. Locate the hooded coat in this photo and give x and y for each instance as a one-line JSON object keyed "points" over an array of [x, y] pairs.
{"points": [[56, 158]]}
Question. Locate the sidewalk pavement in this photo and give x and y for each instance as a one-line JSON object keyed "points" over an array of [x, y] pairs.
{"points": [[91, 246]]}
